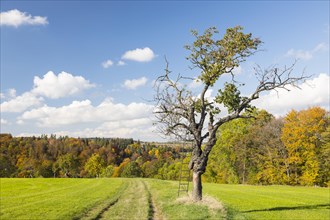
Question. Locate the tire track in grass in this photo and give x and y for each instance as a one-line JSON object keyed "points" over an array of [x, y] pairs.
{"points": [[132, 201], [153, 211], [151, 207], [132, 204], [97, 211]]}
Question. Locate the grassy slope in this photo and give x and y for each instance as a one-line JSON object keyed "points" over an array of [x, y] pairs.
{"points": [[53, 198], [95, 199], [132, 204], [165, 196], [273, 202], [137, 198]]}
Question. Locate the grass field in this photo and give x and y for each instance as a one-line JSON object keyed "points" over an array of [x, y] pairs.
{"points": [[155, 199], [272, 202]]}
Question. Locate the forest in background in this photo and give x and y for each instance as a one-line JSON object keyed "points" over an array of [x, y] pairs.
{"points": [[293, 150]]}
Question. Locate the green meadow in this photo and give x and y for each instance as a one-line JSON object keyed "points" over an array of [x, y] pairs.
{"points": [[119, 198]]}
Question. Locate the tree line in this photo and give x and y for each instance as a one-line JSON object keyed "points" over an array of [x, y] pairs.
{"points": [[293, 150]]}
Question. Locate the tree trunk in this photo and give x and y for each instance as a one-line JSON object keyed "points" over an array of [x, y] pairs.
{"points": [[197, 186]]}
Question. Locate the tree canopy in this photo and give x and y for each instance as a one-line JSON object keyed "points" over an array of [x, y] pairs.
{"points": [[197, 118]]}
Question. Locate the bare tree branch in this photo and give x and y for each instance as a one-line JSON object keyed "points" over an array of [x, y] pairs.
{"points": [[181, 114]]}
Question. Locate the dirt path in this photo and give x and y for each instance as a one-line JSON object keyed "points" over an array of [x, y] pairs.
{"points": [[154, 211], [132, 204], [134, 201], [97, 211]]}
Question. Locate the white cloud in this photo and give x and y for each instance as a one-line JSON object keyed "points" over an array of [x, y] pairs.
{"points": [[139, 55], [10, 94], [21, 103], [107, 64], [121, 63], [17, 18], [20, 122], [4, 122], [84, 112], [196, 83], [50, 86], [307, 54], [138, 128], [52, 116], [135, 83], [314, 92], [321, 47], [208, 95], [82, 119], [299, 54], [237, 70], [63, 85]]}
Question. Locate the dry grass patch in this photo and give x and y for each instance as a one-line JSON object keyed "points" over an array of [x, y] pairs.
{"points": [[213, 204]]}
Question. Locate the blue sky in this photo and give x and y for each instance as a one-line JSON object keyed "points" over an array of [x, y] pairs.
{"points": [[86, 68]]}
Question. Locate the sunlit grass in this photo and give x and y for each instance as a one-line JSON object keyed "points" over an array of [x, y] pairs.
{"points": [[165, 194], [146, 198], [132, 204], [53, 198], [273, 202]]}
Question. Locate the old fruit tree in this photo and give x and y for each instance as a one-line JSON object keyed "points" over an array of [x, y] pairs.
{"points": [[197, 118]]}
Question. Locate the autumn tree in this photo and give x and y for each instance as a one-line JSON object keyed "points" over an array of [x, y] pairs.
{"points": [[132, 169], [196, 118], [249, 151], [228, 159], [66, 165], [94, 165], [301, 136], [271, 156], [324, 159], [6, 167]]}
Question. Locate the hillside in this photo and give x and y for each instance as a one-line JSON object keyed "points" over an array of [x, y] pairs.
{"points": [[120, 198]]}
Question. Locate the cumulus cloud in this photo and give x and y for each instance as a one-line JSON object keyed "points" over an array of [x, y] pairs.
{"points": [[4, 122], [139, 55], [17, 18], [237, 70], [121, 63], [141, 129], [85, 112], [196, 83], [106, 64], [20, 122], [135, 83], [11, 93], [314, 92], [50, 86], [306, 54], [83, 119], [62, 85], [21, 103], [51, 116], [299, 54]]}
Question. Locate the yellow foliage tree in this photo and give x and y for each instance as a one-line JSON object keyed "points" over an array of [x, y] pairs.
{"points": [[301, 137]]}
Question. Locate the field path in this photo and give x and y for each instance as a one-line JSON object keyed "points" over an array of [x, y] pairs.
{"points": [[151, 199], [133, 203], [154, 211]]}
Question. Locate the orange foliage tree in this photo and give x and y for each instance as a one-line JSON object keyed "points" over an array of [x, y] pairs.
{"points": [[301, 136]]}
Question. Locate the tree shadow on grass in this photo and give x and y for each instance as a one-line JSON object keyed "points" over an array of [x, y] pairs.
{"points": [[319, 206]]}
